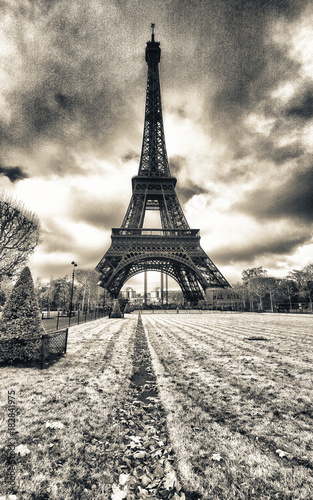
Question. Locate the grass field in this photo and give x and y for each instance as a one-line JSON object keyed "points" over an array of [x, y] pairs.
{"points": [[237, 391], [239, 409], [63, 414]]}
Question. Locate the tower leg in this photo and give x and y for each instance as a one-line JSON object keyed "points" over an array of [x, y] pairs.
{"points": [[145, 283], [166, 289], [162, 288]]}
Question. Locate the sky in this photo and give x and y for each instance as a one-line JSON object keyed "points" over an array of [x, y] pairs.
{"points": [[237, 96]]}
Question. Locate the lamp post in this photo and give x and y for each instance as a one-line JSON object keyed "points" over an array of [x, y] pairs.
{"points": [[72, 290]]}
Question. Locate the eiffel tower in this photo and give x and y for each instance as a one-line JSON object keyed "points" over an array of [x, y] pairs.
{"points": [[175, 248]]}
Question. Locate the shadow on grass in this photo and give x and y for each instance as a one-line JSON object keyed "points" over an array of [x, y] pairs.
{"points": [[33, 363], [257, 338]]}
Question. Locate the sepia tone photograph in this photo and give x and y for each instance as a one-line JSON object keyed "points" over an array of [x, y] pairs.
{"points": [[156, 249]]}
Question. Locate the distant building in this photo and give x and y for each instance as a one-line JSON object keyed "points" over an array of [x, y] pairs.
{"points": [[129, 293], [155, 295]]}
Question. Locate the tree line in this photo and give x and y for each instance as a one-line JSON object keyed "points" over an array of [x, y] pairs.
{"points": [[55, 295], [258, 291]]}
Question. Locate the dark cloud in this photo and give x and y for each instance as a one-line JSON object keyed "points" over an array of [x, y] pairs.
{"points": [[70, 84], [246, 67], [55, 238], [231, 174], [75, 89], [186, 193], [267, 149], [301, 105], [285, 153], [291, 199], [176, 164], [274, 244], [13, 173], [83, 68], [81, 80], [85, 258], [131, 155], [101, 213], [186, 188]]}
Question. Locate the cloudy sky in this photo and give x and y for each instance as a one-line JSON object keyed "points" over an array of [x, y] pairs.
{"points": [[237, 91]]}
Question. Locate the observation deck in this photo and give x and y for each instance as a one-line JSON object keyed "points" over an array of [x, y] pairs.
{"points": [[155, 234]]}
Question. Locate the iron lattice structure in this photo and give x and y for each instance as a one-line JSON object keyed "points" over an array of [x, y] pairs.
{"points": [[175, 248]]}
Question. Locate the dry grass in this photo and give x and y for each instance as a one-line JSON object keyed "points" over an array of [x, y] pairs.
{"points": [[78, 391], [233, 402]]}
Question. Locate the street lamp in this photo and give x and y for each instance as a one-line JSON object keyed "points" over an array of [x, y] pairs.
{"points": [[71, 305]]}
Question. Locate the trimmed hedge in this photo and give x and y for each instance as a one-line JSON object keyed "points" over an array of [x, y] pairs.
{"points": [[116, 312], [127, 309], [21, 326]]}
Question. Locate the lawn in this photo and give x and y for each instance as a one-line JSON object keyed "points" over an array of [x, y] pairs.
{"points": [[229, 406], [63, 417], [238, 393]]}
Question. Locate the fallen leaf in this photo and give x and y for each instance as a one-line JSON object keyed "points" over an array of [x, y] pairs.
{"points": [[159, 471], [216, 456], [139, 454], [22, 450], [142, 492], [154, 484], [145, 480], [123, 479], [118, 494], [138, 472], [170, 479], [136, 439], [281, 453], [54, 425]]}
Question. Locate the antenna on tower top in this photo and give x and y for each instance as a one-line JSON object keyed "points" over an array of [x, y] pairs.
{"points": [[152, 36]]}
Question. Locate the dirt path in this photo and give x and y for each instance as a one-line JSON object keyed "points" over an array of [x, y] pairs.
{"points": [[145, 464]]}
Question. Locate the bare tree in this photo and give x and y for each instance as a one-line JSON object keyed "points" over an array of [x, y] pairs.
{"points": [[252, 278], [272, 286], [89, 282], [19, 235], [288, 289], [242, 295], [304, 280]]}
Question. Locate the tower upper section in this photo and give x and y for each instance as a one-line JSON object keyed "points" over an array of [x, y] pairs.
{"points": [[153, 161]]}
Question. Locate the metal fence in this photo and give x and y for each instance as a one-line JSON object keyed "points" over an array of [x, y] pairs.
{"points": [[55, 319], [53, 343], [50, 344], [185, 311]]}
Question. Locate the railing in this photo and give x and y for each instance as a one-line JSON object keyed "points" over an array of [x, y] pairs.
{"points": [[37, 348], [53, 343], [169, 233], [171, 311], [54, 320]]}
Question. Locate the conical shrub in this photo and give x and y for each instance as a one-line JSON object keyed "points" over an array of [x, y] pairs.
{"points": [[21, 324], [116, 312]]}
